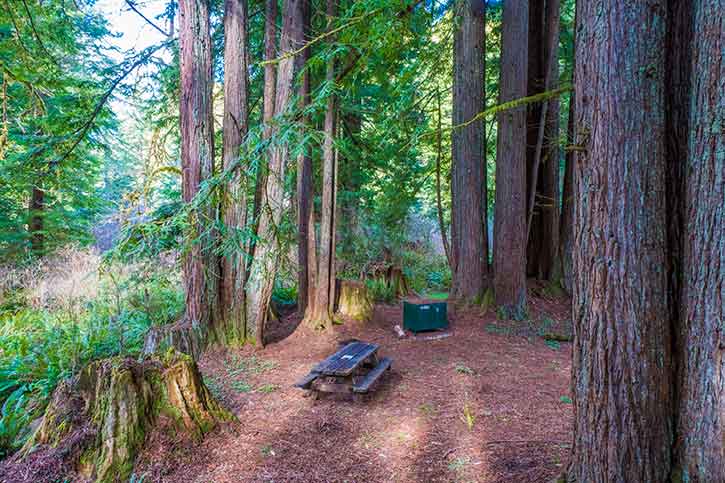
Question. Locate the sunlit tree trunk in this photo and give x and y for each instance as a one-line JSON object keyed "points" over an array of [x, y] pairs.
{"points": [[320, 316], [468, 180], [510, 210], [621, 374], [306, 250], [268, 98], [701, 378], [266, 255], [232, 330], [201, 264]]}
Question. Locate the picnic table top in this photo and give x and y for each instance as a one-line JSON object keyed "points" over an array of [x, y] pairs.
{"points": [[344, 361]]}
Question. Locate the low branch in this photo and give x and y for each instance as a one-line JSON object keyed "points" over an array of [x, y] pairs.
{"points": [[83, 130]]}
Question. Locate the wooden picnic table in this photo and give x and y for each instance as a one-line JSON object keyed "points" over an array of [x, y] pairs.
{"points": [[351, 370]]}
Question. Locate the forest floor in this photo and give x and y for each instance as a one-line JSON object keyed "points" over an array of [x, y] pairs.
{"points": [[490, 403]]}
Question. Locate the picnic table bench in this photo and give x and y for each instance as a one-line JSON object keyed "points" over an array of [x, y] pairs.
{"points": [[353, 369]]}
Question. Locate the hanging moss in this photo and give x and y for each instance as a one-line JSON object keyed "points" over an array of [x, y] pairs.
{"points": [[99, 420]]}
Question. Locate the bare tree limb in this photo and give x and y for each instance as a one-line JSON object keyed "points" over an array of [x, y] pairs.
{"points": [[132, 5]]}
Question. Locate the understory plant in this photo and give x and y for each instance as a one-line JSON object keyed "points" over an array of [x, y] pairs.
{"points": [[48, 332]]}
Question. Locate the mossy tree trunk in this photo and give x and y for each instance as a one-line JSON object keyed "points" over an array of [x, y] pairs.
{"points": [[98, 421], [231, 329], [266, 252], [320, 314]]}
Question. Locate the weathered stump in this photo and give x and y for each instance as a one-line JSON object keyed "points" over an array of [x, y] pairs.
{"points": [[355, 301], [182, 336], [97, 422]]}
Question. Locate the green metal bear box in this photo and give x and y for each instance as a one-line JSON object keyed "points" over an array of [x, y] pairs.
{"points": [[418, 317]]}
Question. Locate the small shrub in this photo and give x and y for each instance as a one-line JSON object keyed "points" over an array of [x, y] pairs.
{"points": [[379, 290], [267, 388], [566, 400], [464, 369], [468, 416], [459, 463]]}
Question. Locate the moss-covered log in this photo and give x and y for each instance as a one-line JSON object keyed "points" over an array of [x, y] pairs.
{"points": [[97, 422], [355, 301]]}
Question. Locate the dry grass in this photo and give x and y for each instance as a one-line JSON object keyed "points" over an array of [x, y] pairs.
{"points": [[67, 279]]}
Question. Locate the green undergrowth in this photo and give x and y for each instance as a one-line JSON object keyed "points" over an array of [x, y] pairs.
{"points": [[237, 371], [40, 345]]}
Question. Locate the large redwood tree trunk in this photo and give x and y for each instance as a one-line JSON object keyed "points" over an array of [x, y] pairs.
{"points": [[306, 250], [622, 346], [468, 180], [701, 378], [266, 254], [320, 315], [510, 210], [268, 97], [201, 264], [231, 329]]}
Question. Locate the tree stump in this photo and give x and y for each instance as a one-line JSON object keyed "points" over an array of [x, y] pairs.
{"points": [[355, 301], [97, 422], [182, 336]]}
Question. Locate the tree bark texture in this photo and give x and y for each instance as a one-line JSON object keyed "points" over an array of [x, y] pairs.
{"points": [[622, 337], [201, 264], [266, 254], [542, 153], [268, 97], [510, 210], [468, 181], [321, 315], [97, 422], [306, 260], [701, 379], [232, 330], [566, 223]]}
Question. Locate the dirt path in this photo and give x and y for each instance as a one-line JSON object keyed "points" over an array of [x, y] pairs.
{"points": [[487, 404]]}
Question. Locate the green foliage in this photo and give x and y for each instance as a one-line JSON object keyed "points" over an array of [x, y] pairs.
{"points": [[380, 291], [41, 346], [267, 388], [426, 270], [468, 417], [284, 295], [464, 369]]}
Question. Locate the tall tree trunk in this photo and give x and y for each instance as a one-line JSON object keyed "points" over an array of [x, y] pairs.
{"points": [[468, 153], [566, 224], [232, 330], [350, 175], [439, 200], [268, 95], [201, 264], [622, 363], [542, 140], [36, 214], [266, 255], [321, 315], [701, 379], [510, 210], [306, 249]]}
